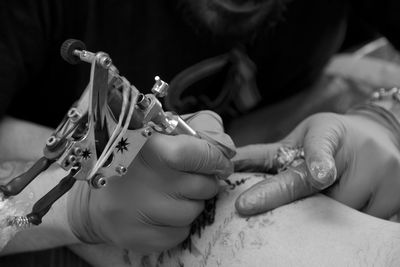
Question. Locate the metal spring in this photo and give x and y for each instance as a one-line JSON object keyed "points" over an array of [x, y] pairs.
{"points": [[20, 222]]}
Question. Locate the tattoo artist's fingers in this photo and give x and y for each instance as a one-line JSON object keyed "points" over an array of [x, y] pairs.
{"points": [[281, 189], [321, 142], [188, 154], [197, 187], [169, 210], [205, 121], [209, 126], [167, 237], [255, 158], [221, 140]]}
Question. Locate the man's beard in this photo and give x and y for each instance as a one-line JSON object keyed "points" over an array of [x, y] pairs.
{"points": [[207, 18]]}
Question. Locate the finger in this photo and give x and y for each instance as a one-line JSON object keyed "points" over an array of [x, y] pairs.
{"points": [[209, 126], [205, 121], [151, 238], [281, 189], [197, 187], [261, 157], [169, 210], [321, 142], [255, 158], [221, 140], [188, 154]]}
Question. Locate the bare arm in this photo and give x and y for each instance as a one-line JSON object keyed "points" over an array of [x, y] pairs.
{"points": [[21, 143], [313, 232]]}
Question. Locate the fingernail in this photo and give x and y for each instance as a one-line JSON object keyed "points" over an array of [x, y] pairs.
{"points": [[323, 173]]}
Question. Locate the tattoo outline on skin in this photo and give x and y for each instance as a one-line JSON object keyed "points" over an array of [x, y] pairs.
{"points": [[203, 257]]}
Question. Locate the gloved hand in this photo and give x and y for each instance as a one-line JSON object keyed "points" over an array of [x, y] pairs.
{"points": [[152, 206], [359, 151]]}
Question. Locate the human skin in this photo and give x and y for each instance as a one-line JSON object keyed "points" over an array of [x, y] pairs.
{"points": [[316, 231], [21, 144], [306, 233]]}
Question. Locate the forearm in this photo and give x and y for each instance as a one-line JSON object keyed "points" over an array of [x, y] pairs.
{"points": [[54, 231], [21, 141]]}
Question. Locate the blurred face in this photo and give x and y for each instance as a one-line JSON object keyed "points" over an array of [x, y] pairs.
{"points": [[231, 18]]}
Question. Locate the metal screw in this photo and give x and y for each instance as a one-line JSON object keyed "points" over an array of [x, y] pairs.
{"points": [[105, 62], [160, 88], [71, 160], [77, 151], [98, 181], [73, 114], [147, 132], [121, 170], [51, 141]]}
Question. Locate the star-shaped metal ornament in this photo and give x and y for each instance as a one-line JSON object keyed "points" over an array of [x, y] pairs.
{"points": [[86, 154], [122, 145]]}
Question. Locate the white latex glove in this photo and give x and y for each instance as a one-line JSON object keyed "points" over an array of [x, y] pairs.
{"points": [[356, 155], [152, 206]]}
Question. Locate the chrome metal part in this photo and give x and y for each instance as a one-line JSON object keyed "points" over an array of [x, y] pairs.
{"points": [[160, 88]]}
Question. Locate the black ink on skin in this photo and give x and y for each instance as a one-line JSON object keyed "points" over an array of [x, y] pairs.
{"points": [[160, 258], [145, 261], [207, 217], [233, 185], [126, 258]]}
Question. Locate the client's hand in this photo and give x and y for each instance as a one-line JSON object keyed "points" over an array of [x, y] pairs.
{"points": [[357, 153], [152, 206]]}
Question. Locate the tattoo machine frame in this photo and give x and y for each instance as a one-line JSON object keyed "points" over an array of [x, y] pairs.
{"points": [[92, 142]]}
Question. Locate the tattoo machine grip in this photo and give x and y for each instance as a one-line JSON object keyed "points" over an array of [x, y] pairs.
{"points": [[43, 205]]}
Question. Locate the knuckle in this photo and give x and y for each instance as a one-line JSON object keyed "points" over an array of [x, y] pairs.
{"points": [[370, 144], [393, 164], [322, 116], [326, 118], [178, 151]]}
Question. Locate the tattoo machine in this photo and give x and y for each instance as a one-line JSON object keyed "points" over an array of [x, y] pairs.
{"points": [[94, 141]]}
